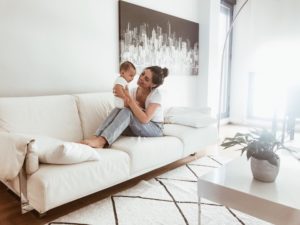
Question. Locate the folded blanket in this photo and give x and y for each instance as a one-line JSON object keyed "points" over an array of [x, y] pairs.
{"points": [[13, 151], [193, 117]]}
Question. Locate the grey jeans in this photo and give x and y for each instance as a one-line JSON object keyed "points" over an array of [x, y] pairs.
{"points": [[122, 121]]}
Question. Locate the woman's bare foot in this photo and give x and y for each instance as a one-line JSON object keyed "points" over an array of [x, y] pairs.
{"points": [[95, 142], [86, 141]]}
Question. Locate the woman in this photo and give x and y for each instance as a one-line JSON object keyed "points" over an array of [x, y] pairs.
{"points": [[143, 115]]}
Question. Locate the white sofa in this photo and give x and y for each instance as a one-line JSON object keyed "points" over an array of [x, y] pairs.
{"points": [[71, 118]]}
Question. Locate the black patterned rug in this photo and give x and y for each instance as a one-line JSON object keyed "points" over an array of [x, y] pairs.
{"points": [[169, 199]]}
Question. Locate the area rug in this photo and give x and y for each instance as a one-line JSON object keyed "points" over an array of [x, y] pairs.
{"points": [[169, 199]]}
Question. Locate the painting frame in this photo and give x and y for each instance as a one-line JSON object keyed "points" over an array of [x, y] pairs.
{"points": [[148, 37]]}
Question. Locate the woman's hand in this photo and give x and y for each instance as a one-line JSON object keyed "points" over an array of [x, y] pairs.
{"points": [[129, 101], [118, 91], [143, 115], [123, 93], [127, 98]]}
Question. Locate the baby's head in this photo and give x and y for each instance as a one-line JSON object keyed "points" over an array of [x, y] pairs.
{"points": [[127, 71]]}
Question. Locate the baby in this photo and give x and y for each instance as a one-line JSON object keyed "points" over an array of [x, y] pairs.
{"points": [[127, 73]]}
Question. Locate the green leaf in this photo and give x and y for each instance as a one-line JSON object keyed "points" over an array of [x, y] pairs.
{"points": [[243, 150], [258, 143]]}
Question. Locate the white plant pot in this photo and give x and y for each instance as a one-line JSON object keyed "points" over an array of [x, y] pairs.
{"points": [[264, 171]]}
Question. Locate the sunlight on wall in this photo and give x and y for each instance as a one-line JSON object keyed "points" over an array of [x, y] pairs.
{"points": [[276, 68]]}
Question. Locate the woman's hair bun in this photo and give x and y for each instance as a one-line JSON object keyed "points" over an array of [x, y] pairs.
{"points": [[158, 74], [165, 72]]}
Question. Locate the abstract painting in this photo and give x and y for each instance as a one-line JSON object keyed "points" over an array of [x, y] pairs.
{"points": [[148, 37]]}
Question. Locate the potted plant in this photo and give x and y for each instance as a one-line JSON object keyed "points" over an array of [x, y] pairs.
{"points": [[261, 147]]}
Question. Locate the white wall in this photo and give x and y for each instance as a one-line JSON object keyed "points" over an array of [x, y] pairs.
{"points": [[260, 24], [57, 46], [214, 57], [71, 46]]}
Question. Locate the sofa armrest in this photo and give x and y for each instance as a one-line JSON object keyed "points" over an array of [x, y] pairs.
{"points": [[13, 149]]}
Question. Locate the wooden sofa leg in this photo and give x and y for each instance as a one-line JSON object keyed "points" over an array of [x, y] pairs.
{"points": [[25, 207]]}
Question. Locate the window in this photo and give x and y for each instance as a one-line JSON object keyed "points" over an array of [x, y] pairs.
{"points": [[275, 73], [225, 21]]}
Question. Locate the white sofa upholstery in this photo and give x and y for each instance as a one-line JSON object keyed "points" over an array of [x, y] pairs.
{"points": [[72, 118], [55, 116], [54, 185], [148, 153]]}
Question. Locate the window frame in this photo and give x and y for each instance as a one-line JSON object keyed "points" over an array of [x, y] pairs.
{"points": [[227, 73]]}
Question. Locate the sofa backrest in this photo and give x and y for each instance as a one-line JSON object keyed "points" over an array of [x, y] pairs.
{"points": [[93, 109], [55, 116]]}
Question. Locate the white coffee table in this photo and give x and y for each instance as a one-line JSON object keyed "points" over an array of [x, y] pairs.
{"points": [[232, 185]]}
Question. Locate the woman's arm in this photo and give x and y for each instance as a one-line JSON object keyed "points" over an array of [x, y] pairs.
{"points": [[142, 116]]}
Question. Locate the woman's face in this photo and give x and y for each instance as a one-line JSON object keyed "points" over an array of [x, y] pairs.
{"points": [[145, 79]]}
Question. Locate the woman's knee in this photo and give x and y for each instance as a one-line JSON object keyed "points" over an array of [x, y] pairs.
{"points": [[126, 111]]}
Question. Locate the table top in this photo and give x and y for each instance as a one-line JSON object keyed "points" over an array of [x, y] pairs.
{"points": [[237, 176]]}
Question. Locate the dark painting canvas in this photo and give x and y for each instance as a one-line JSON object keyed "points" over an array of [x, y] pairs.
{"points": [[149, 37]]}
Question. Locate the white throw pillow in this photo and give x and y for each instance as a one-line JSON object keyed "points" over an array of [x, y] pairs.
{"points": [[192, 117], [44, 145], [180, 110], [71, 152], [55, 151]]}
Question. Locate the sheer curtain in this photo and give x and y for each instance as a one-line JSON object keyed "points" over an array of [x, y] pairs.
{"points": [[266, 52]]}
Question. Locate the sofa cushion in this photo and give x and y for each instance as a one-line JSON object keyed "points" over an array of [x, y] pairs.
{"points": [[55, 116], [54, 185], [149, 152], [93, 109], [194, 139]]}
